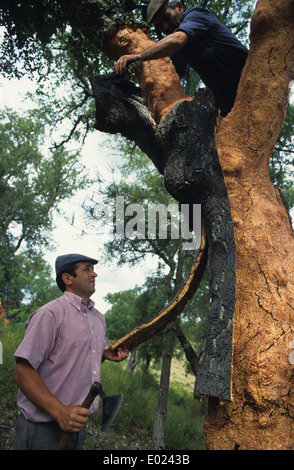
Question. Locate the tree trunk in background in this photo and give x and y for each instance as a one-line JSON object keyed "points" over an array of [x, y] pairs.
{"points": [[171, 329], [162, 400]]}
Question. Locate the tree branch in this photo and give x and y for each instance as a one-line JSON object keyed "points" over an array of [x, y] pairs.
{"points": [[120, 109]]}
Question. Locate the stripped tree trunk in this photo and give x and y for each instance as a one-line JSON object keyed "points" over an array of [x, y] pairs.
{"points": [[261, 415]]}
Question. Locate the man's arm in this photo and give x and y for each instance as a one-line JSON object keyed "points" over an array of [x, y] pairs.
{"points": [[70, 418], [163, 48]]}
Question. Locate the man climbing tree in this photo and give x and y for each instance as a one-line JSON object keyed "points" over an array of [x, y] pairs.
{"points": [[197, 38]]}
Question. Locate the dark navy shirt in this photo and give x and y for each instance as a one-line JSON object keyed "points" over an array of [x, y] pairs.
{"points": [[205, 31], [214, 52]]}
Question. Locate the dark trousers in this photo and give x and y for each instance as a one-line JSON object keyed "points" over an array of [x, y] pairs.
{"points": [[220, 70], [43, 436]]}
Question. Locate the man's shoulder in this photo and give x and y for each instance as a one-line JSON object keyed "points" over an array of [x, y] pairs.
{"points": [[198, 17], [196, 11], [53, 304], [52, 307]]}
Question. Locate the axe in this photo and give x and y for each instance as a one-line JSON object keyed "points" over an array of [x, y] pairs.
{"points": [[111, 405]]}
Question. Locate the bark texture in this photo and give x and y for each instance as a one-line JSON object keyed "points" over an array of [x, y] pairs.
{"points": [[261, 415]]}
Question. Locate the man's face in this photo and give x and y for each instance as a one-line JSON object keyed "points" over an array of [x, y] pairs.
{"points": [[83, 284], [168, 18]]}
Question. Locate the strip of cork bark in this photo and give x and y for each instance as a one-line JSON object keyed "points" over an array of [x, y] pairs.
{"points": [[148, 330]]}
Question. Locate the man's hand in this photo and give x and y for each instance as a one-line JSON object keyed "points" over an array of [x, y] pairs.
{"points": [[72, 418], [121, 65], [116, 355]]}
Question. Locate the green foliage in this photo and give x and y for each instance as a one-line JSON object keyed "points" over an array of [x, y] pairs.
{"points": [[29, 30], [123, 313], [33, 182], [28, 284], [139, 390], [135, 307], [10, 337], [42, 180], [184, 423]]}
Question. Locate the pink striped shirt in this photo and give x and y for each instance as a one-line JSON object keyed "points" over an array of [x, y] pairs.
{"points": [[64, 342]]}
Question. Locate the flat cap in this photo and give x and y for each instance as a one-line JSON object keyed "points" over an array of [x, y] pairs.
{"points": [[153, 8], [64, 260]]}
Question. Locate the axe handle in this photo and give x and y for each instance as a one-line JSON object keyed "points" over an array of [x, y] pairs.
{"points": [[68, 435]]}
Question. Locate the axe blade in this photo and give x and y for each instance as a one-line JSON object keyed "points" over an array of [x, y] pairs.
{"points": [[111, 406]]}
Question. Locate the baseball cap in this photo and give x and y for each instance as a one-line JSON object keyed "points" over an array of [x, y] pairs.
{"points": [[153, 8], [64, 260]]}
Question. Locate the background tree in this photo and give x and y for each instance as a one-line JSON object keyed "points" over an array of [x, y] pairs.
{"points": [[131, 308], [33, 182], [30, 286]]}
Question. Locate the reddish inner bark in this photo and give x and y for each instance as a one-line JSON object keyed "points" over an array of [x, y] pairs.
{"points": [[157, 78]]}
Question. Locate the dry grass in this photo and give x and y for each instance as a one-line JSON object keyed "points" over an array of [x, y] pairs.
{"points": [[179, 375]]}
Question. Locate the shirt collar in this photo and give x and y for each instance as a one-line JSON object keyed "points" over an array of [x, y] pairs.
{"points": [[76, 301]]}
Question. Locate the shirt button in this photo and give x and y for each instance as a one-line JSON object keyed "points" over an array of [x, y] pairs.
{"points": [[94, 372], [94, 350]]}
